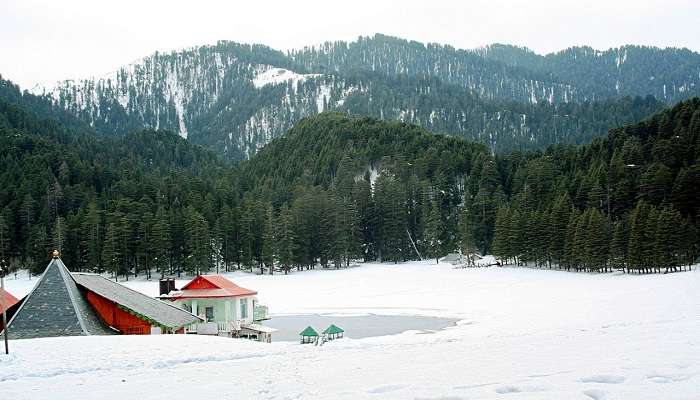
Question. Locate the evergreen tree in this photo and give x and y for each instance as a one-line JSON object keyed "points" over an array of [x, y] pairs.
{"points": [[4, 240], [557, 227], [198, 242], [501, 246], [286, 241], [268, 248], [111, 250], [391, 207], [668, 239], [59, 234], [619, 245], [161, 243], [91, 241], [639, 238], [431, 236], [467, 243]]}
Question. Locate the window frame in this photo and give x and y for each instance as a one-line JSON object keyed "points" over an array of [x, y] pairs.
{"points": [[206, 313], [244, 308]]}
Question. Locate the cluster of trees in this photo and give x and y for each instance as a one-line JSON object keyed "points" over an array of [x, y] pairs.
{"points": [[627, 70], [403, 184], [508, 72], [337, 188], [648, 239], [627, 201], [122, 204]]}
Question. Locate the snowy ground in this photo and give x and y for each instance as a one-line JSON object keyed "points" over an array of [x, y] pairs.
{"points": [[523, 334]]}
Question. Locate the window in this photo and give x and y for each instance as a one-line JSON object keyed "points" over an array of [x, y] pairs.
{"points": [[209, 313], [244, 308]]}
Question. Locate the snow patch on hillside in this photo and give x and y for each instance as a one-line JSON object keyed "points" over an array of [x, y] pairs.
{"points": [[158, 89], [269, 75], [373, 170], [323, 97]]}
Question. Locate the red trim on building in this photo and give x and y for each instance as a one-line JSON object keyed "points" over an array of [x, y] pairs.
{"points": [[112, 315]]}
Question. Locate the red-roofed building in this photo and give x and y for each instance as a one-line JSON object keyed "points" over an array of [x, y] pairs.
{"points": [[208, 286], [227, 309]]}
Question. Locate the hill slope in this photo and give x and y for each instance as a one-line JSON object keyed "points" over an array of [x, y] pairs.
{"points": [[336, 188], [234, 98]]}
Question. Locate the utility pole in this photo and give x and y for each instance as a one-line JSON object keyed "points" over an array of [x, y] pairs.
{"points": [[3, 268]]}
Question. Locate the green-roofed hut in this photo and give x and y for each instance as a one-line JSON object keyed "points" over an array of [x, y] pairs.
{"points": [[333, 332], [308, 335]]}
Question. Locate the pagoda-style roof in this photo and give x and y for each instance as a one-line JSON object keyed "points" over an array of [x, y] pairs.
{"points": [[333, 330], [309, 331], [145, 307], [55, 307]]}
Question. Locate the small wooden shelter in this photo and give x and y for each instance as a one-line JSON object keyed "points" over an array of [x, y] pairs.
{"points": [[308, 335], [333, 332]]}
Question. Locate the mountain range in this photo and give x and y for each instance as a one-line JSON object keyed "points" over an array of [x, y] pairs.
{"points": [[234, 98]]}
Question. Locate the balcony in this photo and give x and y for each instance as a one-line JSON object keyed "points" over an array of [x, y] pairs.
{"points": [[260, 313]]}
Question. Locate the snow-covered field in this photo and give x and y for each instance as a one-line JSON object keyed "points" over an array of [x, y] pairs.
{"points": [[523, 334]]}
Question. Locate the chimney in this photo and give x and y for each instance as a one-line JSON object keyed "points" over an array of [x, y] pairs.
{"points": [[167, 285]]}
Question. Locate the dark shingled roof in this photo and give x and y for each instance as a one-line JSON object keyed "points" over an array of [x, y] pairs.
{"points": [[161, 312], [55, 307]]}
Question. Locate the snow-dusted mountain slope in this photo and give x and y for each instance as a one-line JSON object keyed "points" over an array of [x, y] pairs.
{"points": [[235, 98]]}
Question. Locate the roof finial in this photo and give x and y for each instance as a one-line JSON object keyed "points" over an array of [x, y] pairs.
{"points": [[56, 254]]}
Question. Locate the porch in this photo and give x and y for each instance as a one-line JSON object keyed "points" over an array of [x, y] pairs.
{"points": [[233, 329]]}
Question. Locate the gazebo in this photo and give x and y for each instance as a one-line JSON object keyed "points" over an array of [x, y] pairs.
{"points": [[308, 335], [333, 332]]}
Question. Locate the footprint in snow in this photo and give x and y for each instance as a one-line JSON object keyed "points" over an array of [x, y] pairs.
{"points": [[508, 389], [519, 389], [612, 379], [668, 378], [387, 388], [596, 394]]}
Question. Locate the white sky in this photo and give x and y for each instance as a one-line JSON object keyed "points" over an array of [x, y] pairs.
{"points": [[44, 41]]}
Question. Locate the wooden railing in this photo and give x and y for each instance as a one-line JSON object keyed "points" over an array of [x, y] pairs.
{"points": [[137, 330]]}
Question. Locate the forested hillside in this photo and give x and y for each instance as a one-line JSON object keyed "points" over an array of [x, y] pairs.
{"points": [[670, 74], [575, 74], [234, 98], [626, 201], [119, 204], [337, 188], [629, 200]]}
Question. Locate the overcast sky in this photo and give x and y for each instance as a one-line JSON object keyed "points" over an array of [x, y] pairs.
{"points": [[44, 41]]}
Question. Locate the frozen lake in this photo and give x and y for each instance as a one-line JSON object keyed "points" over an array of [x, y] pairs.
{"points": [[356, 326]]}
